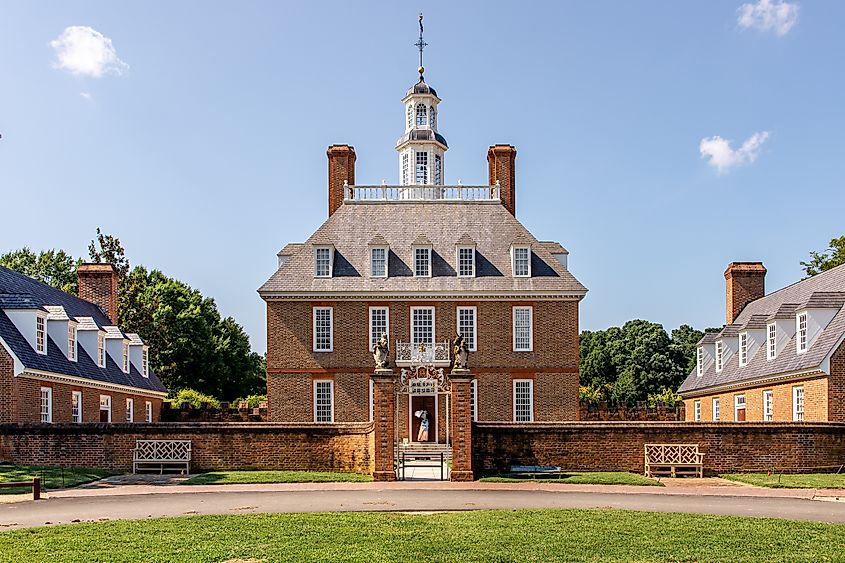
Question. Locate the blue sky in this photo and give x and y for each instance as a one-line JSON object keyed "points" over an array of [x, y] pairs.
{"points": [[202, 143]]}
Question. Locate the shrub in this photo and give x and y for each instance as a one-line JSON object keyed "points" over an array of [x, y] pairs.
{"points": [[253, 400], [666, 396], [194, 398]]}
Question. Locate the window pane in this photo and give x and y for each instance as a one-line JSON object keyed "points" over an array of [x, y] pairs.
{"points": [[466, 262], [378, 324], [323, 328], [422, 326], [520, 261], [466, 325], [323, 401], [422, 262], [422, 168], [378, 262], [522, 328], [523, 398], [323, 262]]}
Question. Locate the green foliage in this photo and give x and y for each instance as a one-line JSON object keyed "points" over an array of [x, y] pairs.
{"points": [[790, 481], [668, 397], [826, 259], [56, 268], [193, 398], [107, 249], [51, 477], [254, 401], [594, 395], [628, 363]]}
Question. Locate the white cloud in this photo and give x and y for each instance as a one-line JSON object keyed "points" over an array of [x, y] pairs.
{"points": [[722, 157], [85, 51], [778, 16], [86, 95]]}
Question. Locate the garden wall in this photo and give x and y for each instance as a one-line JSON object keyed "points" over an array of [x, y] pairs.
{"points": [[336, 447], [618, 446]]}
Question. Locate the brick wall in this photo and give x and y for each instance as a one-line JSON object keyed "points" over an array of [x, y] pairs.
{"points": [[836, 386], [744, 282], [614, 446], [227, 446], [341, 168], [501, 166], [98, 284], [604, 412], [816, 399]]}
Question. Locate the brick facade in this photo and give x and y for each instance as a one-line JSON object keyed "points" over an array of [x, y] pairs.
{"points": [[341, 169], [98, 284], [501, 166], [744, 282], [836, 386]]}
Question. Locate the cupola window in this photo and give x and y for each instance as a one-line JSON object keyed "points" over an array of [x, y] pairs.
{"points": [[422, 115], [422, 168], [438, 170]]}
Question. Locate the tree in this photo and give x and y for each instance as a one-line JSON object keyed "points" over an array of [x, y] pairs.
{"points": [[827, 259], [56, 268], [107, 249]]}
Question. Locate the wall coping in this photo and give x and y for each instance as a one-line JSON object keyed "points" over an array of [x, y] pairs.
{"points": [[186, 427], [656, 425]]}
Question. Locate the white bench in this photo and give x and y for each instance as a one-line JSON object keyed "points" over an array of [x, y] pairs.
{"points": [[673, 460], [161, 455]]}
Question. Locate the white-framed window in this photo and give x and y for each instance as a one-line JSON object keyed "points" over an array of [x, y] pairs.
{"points": [[405, 169], [739, 408], [71, 342], [101, 350], [716, 409], [699, 361], [372, 400], [432, 116], [466, 262], [467, 326], [768, 405], [719, 356], [697, 410], [105, 408], [47, 404], [523, 400], [130, 410], [125, 357], [410, 116], [323, 400], [76, 406], [422, 115], [422, 262], [379, 323], [521, 258], [40, 335], [523, 329], [323, 329], [801, 329], [798, 402], [148, 411], [378, 262], [422, 326], [473, 400], [743, 349], [145, 362], [438, 168], [772, 342], [323, 262], [421, 169]]}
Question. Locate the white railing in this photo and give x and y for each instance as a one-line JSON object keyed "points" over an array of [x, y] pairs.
{"points": [[420, 193], [419, 354]]}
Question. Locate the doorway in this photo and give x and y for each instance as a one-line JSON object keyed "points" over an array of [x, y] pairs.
{"points": [[428, 404]]}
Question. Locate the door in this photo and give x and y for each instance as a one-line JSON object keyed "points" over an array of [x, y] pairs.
{"points": [[419, 405]]}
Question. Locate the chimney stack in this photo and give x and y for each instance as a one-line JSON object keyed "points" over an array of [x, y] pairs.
{"points": [[501, 161], [341, 169], [744, 282], [98, 284]]}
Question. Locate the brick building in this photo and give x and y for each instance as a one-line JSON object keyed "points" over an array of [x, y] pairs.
{"points": [[64, 359], [422, 261], [780, 357]]}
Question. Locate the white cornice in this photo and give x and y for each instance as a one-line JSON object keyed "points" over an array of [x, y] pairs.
{"points": [[71, 380], [758, 382], [420, 296]]}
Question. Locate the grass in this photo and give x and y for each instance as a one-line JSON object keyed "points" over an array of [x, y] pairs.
{"points": [[501, 536], [783, 481], [581, 478], [240, 477], [51, 477]]}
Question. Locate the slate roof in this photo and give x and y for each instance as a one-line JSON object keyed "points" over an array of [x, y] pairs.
{"points": [[827, 288], [42, 295], [402, 225]]}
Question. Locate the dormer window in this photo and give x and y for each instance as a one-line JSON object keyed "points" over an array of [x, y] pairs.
{"points": [[801, 329], [521, 261], [145, 362], [699, 361], [743, 349], [378, 262], [719, 356], [323, 262], [466, 261], [101, 350], [771, 344], [40, 335], [422, 262], [422, 115], [125, 357], [71, 342]]}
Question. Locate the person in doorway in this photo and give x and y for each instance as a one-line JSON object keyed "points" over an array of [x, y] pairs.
{"points": [[422, 435]]}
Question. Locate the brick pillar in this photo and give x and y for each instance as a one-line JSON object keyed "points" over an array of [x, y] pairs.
{"points": [[744, 282], [501, 163], [341, 169], [98, 284], [384, 421], [461, 425]]}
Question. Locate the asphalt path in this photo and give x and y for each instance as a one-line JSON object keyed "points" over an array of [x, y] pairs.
{"points": [[130, 507]]}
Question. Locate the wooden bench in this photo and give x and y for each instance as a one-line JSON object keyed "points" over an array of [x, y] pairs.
{"points": [[673, 460], [535, 470], [162, 455], [35, 484]]}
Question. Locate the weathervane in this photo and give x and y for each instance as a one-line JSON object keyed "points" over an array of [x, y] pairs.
{"points": [[421, 45]]}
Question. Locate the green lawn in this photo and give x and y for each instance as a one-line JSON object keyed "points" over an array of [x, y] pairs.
{"points": [[803, 481], [231, 477], [581, 478], [502, 536], [51, 477]]}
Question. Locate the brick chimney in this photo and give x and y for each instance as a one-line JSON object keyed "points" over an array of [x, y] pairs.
{"points": [[501, 161], [341, 168], [744, 282], [98, 284]]}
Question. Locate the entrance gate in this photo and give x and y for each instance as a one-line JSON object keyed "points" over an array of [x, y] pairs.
{"points": [[419, 387]]}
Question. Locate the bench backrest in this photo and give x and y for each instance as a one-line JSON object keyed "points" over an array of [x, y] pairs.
{"points": [[162, 450], [671, 453]]}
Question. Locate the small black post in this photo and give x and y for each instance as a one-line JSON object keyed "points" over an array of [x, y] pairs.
{"points": [[36, 488]]}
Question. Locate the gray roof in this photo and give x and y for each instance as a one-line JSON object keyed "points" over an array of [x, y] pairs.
{"points": [[354, 225], [827, 288]]}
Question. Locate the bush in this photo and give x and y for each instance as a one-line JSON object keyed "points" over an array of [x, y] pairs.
{"points": [[666, 396], [194, 398], [253, 400]]}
